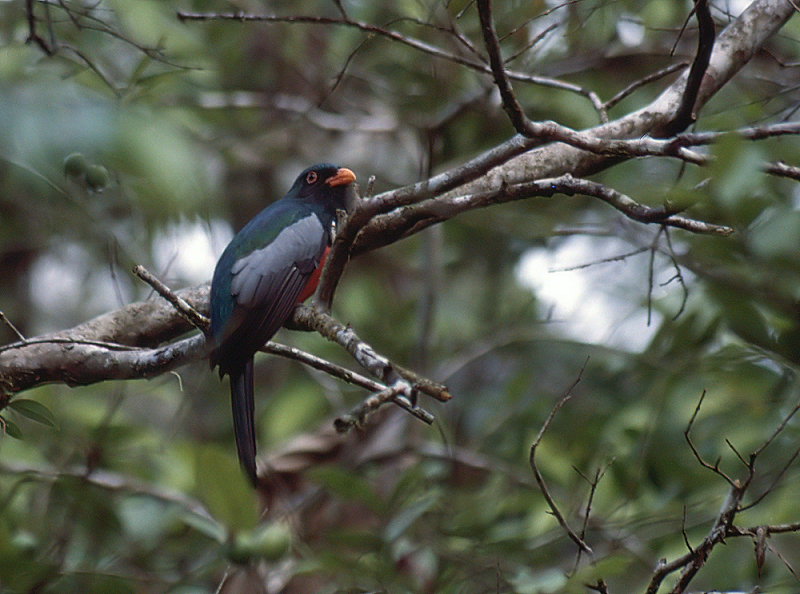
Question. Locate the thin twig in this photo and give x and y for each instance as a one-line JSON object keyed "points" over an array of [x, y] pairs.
{"points": [[351, 377], [538, 475], [651, 274], [642, 82], [183, 308], [32, 34], [715, 467], [398, 37], [678, 274], [537, 38], [376, 364], [111, 346], [12, 327], [607, 260], [598, 474], [356, 417], [775, 480], [510, 103], [683, 532]]}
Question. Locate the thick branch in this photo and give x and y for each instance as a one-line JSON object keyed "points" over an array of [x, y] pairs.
{"points": [[733, 48], [385, 229], [120, 345], [78, 362]]}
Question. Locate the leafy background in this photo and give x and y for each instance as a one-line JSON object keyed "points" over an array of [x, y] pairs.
{"points": [[134, 487]]}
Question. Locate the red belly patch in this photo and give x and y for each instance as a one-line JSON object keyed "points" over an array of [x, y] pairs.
{"points": [[311, 286]]}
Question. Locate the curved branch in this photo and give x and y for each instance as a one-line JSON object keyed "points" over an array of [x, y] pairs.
{"points": [[395, 36], [365, 210], [78, 362], [686, 113], [104, 349], [403, 222], [734, 47]]}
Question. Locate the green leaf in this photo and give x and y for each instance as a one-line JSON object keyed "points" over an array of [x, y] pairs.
{"points": [[224, 489], [408, 515], [347, 485], [10, 428], [36, 411], [206, 525], [270, 542]]}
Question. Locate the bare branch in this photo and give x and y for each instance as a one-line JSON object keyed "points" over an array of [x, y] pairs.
{"points": [[687, 110], [723, 524], [774, 482], [398, 37], [593, 482], [367, 209], [540, 480], [77, 362], [386, 228], [377, 365], [781, 169], [33, 35], [370, 404], [777, 431], [642, 82], [396, 394], [510, 103], [733, 48], [4, 319], [184, 309], [678, 274], [715, 467]]}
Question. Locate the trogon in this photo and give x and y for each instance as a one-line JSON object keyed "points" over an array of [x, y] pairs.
{"points": [[269, 267]]}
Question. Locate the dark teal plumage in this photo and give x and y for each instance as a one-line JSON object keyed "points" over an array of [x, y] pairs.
{"points": [[259, 279]]}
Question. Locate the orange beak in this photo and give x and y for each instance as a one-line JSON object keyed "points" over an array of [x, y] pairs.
{"points": [[341, 178]]}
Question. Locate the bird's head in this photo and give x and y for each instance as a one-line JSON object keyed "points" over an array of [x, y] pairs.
{"points": [[325, 184]]}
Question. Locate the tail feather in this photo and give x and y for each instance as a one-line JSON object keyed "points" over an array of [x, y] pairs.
{"points": [[243, 422]]}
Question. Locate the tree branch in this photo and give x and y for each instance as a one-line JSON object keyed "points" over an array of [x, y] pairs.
{"points": [[733, 48], [97, 351], [379, 366], [398, 37], [385, 229], [582, 546], [686, 113], [185, 310], [356, 417], [722, 527]]}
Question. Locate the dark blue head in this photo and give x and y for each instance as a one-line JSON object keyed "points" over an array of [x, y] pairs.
{"points": [[324, 184]]}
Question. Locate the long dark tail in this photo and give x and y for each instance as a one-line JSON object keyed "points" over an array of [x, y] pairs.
{"points": [[243, 423]]}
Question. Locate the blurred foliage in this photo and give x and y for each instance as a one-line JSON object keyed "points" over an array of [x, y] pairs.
{"points": [[134, 487]]}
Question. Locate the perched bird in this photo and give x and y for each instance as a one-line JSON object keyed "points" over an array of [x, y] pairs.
{"points": [[269, 267]]}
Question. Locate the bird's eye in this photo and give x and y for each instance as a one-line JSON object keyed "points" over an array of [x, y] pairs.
{"points": [[311, 177]]}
